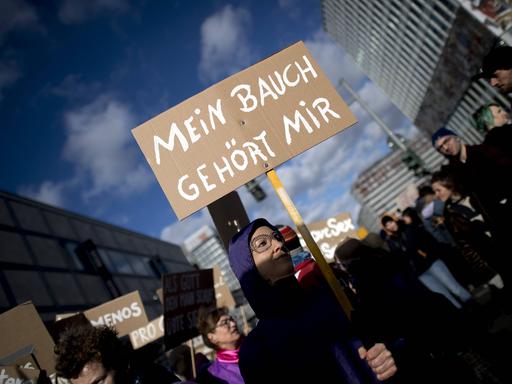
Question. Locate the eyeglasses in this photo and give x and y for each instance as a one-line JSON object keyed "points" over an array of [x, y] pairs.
{"points": [[225, 322], [263, 242]]}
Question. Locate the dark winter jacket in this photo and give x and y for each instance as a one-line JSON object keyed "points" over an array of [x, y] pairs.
{"points": [[420, 327], [477, 249], [302, 336]]}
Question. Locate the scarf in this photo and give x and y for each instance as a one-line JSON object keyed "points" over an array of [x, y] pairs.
{"points": [[229, 356]]}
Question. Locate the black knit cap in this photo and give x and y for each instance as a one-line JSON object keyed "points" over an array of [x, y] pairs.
{"points": [[386, 219], [441, 132], [497, 58]]}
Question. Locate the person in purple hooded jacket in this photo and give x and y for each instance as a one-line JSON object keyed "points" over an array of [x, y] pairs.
{"points": [[303, 335]]}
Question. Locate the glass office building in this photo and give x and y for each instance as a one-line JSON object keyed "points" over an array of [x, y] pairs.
{"points": [[379, 187], [65, 262], [421, 53]]}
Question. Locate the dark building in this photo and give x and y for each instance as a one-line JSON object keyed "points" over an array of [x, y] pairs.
{"points": [[65, 262]]}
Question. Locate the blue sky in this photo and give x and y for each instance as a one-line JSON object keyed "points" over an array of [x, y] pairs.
{"points": [[76, 77]]}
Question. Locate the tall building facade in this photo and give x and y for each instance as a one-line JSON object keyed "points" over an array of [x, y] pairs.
{"points": [[205, 248], [379, 187], [64, 262], [422, 53]]}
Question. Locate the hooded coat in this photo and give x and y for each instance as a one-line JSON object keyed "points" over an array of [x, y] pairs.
{"points": [[302, 335]]}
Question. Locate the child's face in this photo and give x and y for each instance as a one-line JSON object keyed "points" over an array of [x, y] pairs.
{"points": [[270, 255]]}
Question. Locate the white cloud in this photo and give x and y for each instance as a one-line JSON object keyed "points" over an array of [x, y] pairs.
{"points": [[16, 14], [78, 11], [99, 143], [48, 192], [224, 43], [333, 60]]}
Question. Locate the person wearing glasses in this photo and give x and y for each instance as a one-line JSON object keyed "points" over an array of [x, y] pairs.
{"points": [[482, 172], [220, 332], [303, 335]]}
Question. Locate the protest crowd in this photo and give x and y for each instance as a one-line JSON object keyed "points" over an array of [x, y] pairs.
{"points": [[425, 294]]}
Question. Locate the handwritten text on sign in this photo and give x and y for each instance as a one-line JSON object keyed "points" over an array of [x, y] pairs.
{"points": [[125, 313], [329, 233], [241, 127], [184, 293], [150, 332]]}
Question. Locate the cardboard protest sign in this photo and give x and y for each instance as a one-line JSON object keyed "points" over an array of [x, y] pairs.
{"points": [[329, 233], [61, 316], [241, 127], [160, 294], [24, 358], [222, 293], [184, 293], [126, 313], [21, 327], [150, 332], [18, 375]]}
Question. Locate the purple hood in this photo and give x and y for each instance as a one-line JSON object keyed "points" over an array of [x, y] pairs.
{"points": [[263, 298]]}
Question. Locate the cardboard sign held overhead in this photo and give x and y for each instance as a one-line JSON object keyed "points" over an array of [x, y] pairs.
{"points": [[126, 313], [184, 293], [241, 127], [21, 327], [329, 233]]}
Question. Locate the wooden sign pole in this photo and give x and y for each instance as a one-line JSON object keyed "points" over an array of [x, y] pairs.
{"points": [[310, 242], [193, 357]]}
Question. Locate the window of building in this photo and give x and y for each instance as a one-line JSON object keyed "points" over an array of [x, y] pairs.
{"points": [[13, 249], [48, 252], [106, 260], [120, 263], [70, 248], [64, 288], [28, 285], [141, 265]]}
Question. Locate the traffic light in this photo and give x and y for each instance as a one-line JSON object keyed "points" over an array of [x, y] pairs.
{"points": [[254, 187], [414, 163]]}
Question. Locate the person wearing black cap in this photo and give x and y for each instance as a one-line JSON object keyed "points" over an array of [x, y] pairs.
{"points": [[497, 69]]}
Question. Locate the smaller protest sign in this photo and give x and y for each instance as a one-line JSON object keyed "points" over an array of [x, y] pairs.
{"points": [[150, 332], [126, 313], [61, 316], [184, 294], [24, 358], [160, 294], [329, 233], [17, 375], [21, 327], [222, 293]]}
